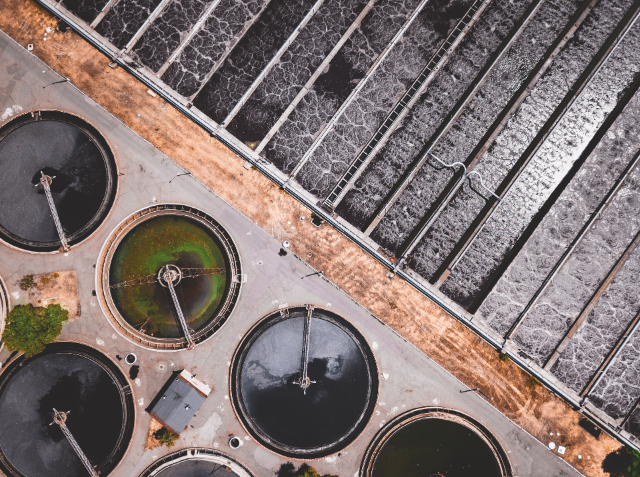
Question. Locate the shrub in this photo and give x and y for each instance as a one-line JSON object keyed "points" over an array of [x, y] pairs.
{"points": [[289, 470], [29, 329], [533, 381], [625, 462], [504, 357], [26, 282], [166, 437]]}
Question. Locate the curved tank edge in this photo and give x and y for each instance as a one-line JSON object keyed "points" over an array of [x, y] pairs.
{"points": [[102, 276], [126, 395], [327, 450], [195, 453], [434, 412]]}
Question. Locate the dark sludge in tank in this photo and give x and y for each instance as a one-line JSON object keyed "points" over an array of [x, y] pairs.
{"points": [[66, 155], [170, 277], [89, 392], [196, 462], [435, 442], [304, 382]]}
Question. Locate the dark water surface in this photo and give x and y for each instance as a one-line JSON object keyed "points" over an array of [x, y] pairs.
{"points": [[428, 446], [124, 19], [281, 85], [88, 10], [67, 382], [332, 406], [218, 35], [62, 151]]}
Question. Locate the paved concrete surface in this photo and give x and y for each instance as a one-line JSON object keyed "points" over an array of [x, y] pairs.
{"points": [[408, 378]]}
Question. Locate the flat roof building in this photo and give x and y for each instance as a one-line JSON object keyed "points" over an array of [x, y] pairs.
{"points": [[176, 405]]}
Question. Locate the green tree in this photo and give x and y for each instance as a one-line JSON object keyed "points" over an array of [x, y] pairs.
{"points": [[625, 462], [29, 329]]}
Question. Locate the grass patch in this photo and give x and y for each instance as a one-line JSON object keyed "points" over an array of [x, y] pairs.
{"points": [[533, 381]]}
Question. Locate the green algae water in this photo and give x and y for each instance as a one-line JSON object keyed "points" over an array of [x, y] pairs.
{"points": [[159, 241], [435, 446]]}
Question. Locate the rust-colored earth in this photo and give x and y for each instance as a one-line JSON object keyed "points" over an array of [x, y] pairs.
{"points": [[59, 288], [398, 304]]}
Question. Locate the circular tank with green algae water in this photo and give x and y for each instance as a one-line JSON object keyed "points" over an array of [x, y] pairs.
{"points": [[156, 242], [432, 446]]}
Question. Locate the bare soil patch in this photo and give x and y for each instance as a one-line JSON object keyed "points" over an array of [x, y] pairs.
{"points": [[56, 287]]}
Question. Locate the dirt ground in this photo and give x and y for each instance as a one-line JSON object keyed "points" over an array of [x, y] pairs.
{"points": [[151, 442], [56, 287], [403, 308]]}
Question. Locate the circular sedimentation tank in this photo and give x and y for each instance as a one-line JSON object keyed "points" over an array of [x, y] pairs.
{"points": [[435, 442], [195, 251], [74, 379], [304, 382], [83, 183], [196, 462]]}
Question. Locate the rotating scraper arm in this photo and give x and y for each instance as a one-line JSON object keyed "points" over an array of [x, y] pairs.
{"points": [[186, 273], [46, 181], [304, 381], [176, 304], [60, 418]]}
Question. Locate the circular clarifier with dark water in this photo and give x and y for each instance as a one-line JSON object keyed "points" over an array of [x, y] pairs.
{"points": [[304, 382], [83, 172], [435, 442], [196, 462], [71, 378], [190, 244]]}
